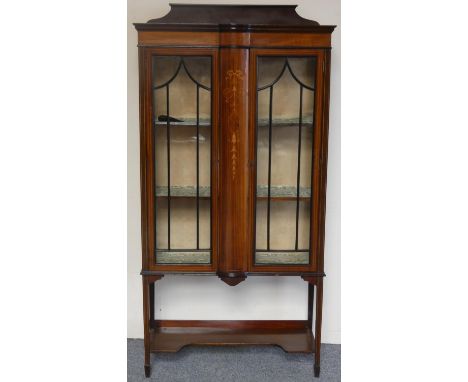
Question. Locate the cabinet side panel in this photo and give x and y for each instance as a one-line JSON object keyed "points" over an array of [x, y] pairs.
{"points": [[234, 210], [143, 155], [324, 161]]}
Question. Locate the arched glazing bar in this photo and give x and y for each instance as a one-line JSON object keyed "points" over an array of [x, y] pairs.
{"points": [[182, 64], [286, 66], [270, 86]]}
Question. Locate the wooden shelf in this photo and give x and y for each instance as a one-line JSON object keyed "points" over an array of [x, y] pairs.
{"points": [[278, 193], [281, 257], [184, 192], [183, 257], [282, 198], [189, 123], [285, 193], [261, 123], [283, 123], [171, 336]]}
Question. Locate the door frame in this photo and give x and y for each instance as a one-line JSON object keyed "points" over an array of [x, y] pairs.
{"points": [[315, 253], [147, 164]]}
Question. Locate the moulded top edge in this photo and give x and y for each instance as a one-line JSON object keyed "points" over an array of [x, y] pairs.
{"points": [[216, 16], [233, 27], [233, 5]]}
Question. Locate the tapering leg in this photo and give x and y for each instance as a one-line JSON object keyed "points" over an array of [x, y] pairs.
{"points": [[151, 292], [318, 326], [310, 305], [146, 323], [148, 316]]}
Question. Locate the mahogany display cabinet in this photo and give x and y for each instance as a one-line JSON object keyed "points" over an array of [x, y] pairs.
{"points": [[234, 107]]}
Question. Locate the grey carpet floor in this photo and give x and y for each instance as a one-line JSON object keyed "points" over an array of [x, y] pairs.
{"points": [[232, 364]]}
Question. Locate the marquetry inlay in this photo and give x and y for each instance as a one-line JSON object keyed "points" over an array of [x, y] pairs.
{"points": [[232, 96]]}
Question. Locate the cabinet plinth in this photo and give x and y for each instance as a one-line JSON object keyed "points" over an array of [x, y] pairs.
{"points": [[233, 145]]}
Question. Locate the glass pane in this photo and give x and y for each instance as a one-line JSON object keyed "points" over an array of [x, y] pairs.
{"points": [[285, 109], [182, 150]]}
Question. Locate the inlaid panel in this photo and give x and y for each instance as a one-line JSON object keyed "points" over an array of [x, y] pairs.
{"points": [[234, 212]]}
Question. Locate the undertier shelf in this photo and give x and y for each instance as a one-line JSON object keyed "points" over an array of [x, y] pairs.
{"points": [[291, 336]]}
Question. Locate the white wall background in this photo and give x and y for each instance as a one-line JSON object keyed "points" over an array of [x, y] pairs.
{"points": [[266, 298]]}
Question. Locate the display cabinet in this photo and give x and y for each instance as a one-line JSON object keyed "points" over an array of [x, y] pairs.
{"points": [[234, 135]]}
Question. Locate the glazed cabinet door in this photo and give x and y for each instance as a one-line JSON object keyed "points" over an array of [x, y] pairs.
{"points": [[181, 172], [287, 98]]}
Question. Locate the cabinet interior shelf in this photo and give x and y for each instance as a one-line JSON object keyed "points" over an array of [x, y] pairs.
{"points": [[188, 123], [285, 257], [283, 123], [261, 123], [281, 257], [277, 193], [183, 256], [204, 192], [282, 192]]}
